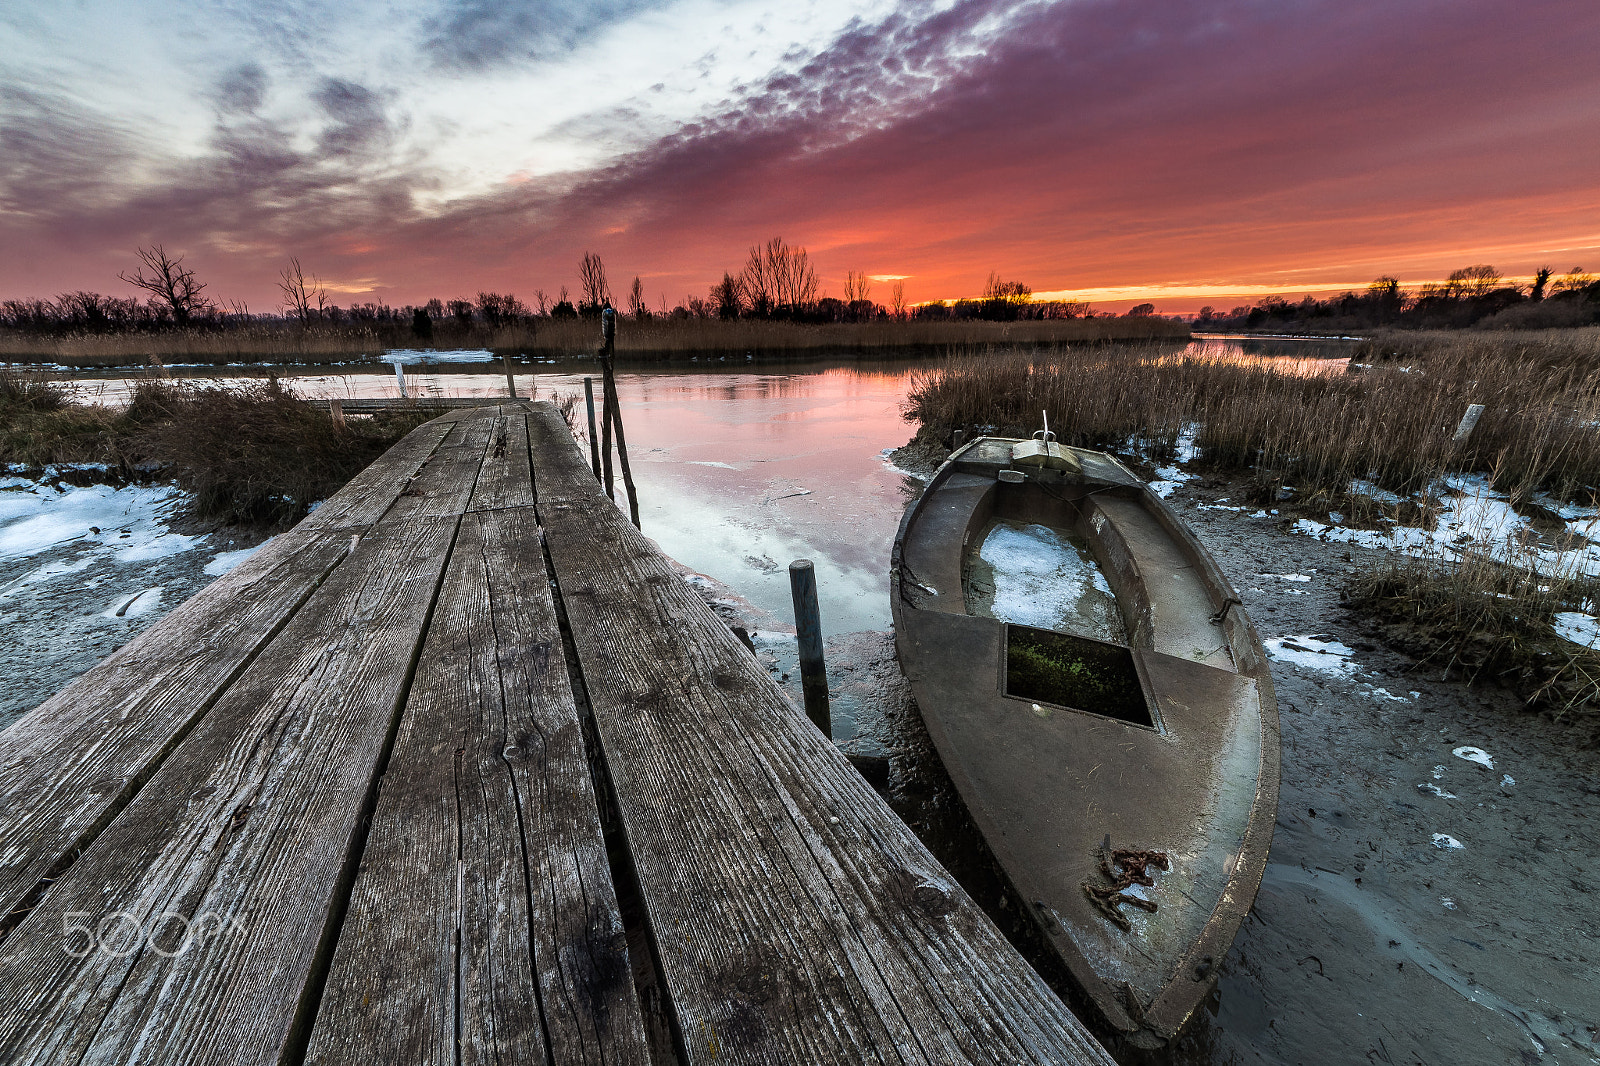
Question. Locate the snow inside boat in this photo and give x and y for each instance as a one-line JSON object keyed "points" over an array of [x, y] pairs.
{"points": [[1102, 702]]}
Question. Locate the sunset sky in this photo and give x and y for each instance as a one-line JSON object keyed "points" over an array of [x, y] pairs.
{"points": [[1187, 152]]}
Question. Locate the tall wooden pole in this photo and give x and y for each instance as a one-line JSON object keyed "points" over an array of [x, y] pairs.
{"points": [[594, 434], [608, 333], [613, 414]]}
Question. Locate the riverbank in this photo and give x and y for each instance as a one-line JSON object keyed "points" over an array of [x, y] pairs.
{"points": [[656, 339], [252, 454]]}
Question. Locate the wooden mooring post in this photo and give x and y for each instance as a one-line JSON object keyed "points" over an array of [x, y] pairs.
{"points": [[400, 376], [808, 630]]}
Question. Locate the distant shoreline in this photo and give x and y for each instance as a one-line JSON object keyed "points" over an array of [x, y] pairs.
{"points": [[650, 341]]}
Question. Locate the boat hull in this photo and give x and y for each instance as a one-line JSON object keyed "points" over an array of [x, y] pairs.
{"points": [[1069, 797]]}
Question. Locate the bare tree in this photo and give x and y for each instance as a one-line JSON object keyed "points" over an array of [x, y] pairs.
{"points": [[897, 300], [542, 299], [300, 293], [778, 278], [1540, 279], [636, 304], [592, 279], [857, 287], [1473, 281], [1574, 280], [756, 283], [170, 282]]}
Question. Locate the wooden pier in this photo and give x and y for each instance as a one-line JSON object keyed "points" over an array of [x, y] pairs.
{"points": [[375, 796]]}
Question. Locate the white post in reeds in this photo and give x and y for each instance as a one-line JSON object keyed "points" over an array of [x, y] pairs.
{"points": [[400, 376], [336, 412], [1469, 422]]}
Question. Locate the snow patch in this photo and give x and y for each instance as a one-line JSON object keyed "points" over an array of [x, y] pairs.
{"points": [[1473, 518], [128, 522], [222, 562], [1581, 629], [1436, 790], [1328, 656], [140, 603], [1477, 755], [1446, 841]]}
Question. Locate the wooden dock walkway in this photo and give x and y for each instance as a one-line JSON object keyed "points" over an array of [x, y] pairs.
{"points": [[383, 793]]}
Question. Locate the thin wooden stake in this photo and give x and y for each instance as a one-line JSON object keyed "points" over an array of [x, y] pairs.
{"points": [[400, 376], [511, 382], [336, 412], [1469, 422], [594, 434], [808, 627]]}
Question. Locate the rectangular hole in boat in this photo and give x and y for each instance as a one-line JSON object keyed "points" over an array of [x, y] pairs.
{"points": [[1076, 672]]}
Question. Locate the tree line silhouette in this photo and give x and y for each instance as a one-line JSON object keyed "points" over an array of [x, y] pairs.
{"points": [[778, 281], [1472, 296]]}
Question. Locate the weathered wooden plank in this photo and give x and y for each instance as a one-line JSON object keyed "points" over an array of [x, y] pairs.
{"points": [[369, 494], [508, 937], [243, 836], [444, 483], [506, 478], [69, 765], [796, 918]]}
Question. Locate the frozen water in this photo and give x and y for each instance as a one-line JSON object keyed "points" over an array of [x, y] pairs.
{"points": [[1446, 841], [1477, 755], [1038, 576], [128, 523]]}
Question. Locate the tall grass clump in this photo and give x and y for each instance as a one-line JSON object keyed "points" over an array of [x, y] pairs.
{"points": [[39, 426], [1482, 618], [254, 454]]}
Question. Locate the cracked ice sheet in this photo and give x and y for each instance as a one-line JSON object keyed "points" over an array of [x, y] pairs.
{"points": [[35, 518]]}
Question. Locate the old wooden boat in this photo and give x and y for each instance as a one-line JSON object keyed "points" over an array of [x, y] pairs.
{"points": [[1103, 705]]}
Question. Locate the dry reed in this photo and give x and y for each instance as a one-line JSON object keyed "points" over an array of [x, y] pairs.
{"points": [[656, 337], [1316, 426]]}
